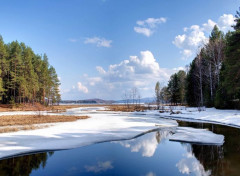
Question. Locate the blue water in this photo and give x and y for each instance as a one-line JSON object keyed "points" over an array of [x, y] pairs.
{"points": [[148, 155], [113, 159]]}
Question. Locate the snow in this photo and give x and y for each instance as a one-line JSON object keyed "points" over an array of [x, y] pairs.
{"points": [[193, 135], [147, 144], [101, 127], [210, 115]]}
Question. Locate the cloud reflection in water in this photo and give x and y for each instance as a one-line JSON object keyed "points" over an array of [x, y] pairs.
{"points": [[190, 164], [146, 144], [99, 167]]}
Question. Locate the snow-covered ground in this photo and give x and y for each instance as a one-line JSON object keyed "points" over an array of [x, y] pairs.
{"points": [[210, 115], [193, 135], [102, 126]]}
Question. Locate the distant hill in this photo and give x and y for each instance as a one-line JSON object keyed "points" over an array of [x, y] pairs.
{"points": [[87, 101], [142, 100], [101, 101]]}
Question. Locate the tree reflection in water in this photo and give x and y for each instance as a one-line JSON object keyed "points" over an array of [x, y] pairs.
{"points": [[198, 159], [221, 160], [211, 157], [153, 148], [24, 165]]}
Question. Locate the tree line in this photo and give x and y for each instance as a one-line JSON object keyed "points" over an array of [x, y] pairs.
{"points": [[26, 77], [213, 77], [132, 97]]}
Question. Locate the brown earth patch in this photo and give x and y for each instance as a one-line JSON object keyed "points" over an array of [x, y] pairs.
{"points": [[13, 120], [124, 108]]}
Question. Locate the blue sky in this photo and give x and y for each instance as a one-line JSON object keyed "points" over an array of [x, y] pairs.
{"points": [[100, 48]]}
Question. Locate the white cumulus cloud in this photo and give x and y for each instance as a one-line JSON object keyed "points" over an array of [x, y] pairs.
{"points": [[142, 30], [100, 42], [93, 80], [100, 70], [209, 26], [187, 53], [151, 22], [147, 27], [141, 71], [136, 68], [82, 88], [190, 41], [226, 22], [196, 35]]}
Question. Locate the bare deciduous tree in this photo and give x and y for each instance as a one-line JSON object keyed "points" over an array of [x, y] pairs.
{"points": [[126, 98], [158, 94], [132, 97], [199, 75]]}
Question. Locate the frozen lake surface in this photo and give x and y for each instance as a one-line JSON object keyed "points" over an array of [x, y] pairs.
{"points": [[147, 155], [103, 126]]}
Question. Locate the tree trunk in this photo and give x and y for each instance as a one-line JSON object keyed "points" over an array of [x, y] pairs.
{"points": [[210, 80]]}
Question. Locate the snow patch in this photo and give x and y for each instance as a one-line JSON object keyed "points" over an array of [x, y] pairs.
{"points": [[199, 136], [210, 115], [101, 127]]}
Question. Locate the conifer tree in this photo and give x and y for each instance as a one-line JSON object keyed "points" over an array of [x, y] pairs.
{"points": [[26, 77], [3, 55], [229, 92]]}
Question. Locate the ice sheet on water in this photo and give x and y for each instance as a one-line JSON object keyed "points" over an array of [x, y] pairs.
{"points": [[102, 126], [147, 144], [209, 115], [199, 136]]}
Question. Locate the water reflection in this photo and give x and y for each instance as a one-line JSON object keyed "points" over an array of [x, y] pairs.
{"points": [[146, 144], [194, 160], [24, 165], [223, 160], [211, 157], [148, 155], [190, 164], [99, 167], [150, 174]]}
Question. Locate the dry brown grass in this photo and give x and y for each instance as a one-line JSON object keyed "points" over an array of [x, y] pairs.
{"points": [[63, 108], [12, 123], [13, 120], [25, 127], [40, 107], [24, 107], [109, 107], [125, 108]]}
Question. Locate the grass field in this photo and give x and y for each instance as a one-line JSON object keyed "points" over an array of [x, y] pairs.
{"points": [[11, 123]]}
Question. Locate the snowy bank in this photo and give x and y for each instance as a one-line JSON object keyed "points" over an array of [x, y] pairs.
{"points": [[197, 136], [210, 115], [101, 127]]}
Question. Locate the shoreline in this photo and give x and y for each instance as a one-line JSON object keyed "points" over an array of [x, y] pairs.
{"points": [[229, 118], [103, 126], [13, 123]]}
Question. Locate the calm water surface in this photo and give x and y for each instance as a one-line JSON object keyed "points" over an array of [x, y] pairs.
{"points": [[148, 155]]}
